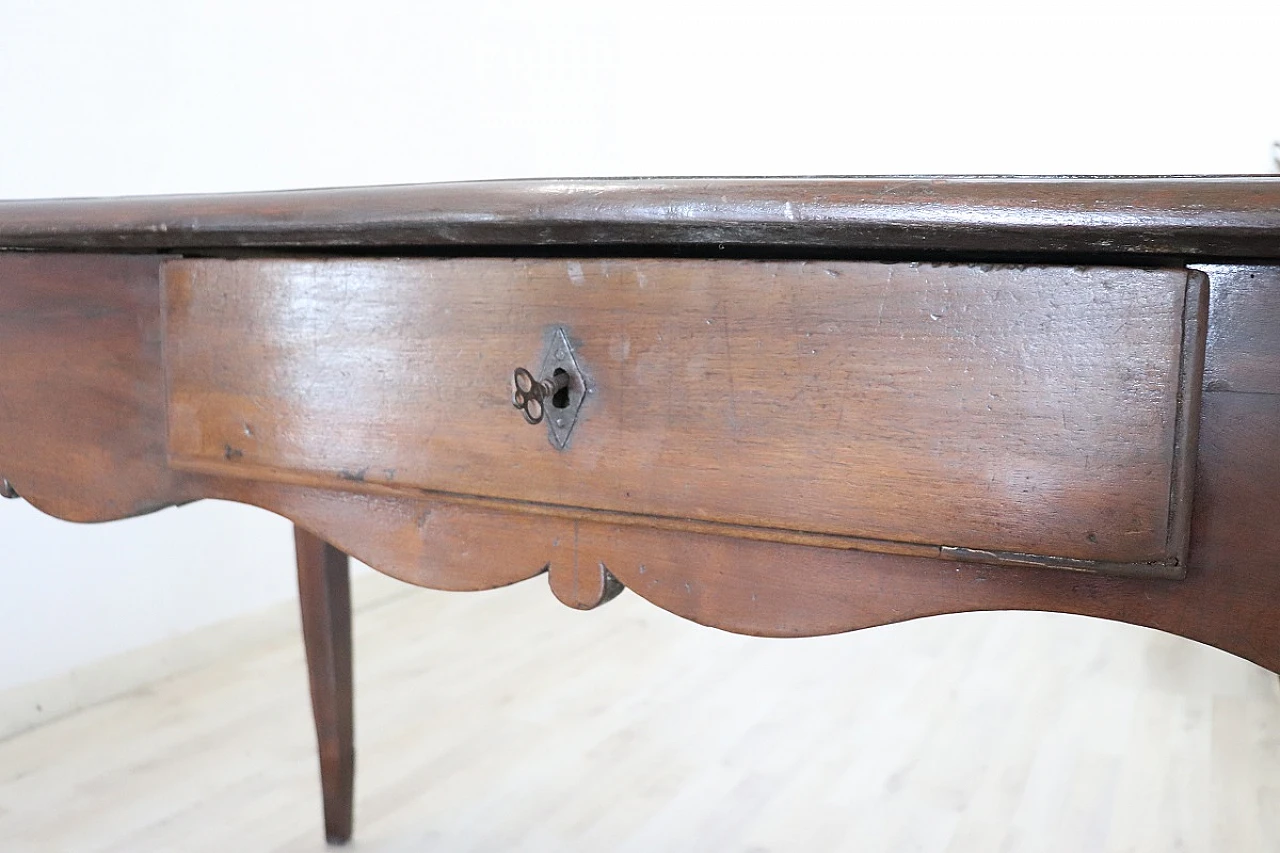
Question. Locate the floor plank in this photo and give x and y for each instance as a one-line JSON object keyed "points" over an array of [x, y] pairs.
{"points": [[502, 721]]}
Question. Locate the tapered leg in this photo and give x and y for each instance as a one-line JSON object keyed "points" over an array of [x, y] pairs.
{"points": [[324, 588]]}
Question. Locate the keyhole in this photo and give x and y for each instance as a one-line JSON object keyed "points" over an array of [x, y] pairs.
{"points": [[560, 399]]}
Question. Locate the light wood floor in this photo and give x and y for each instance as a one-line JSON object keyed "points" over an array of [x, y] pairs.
{"points": [[503, 721]]}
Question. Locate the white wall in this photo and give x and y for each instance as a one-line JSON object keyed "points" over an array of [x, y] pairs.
{"points": [[162, 96]]}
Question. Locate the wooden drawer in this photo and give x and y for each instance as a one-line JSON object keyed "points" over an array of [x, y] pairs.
{"points": [[1006, 414]]}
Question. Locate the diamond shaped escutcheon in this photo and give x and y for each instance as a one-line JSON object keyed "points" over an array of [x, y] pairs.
{"points": [[559, 355]]}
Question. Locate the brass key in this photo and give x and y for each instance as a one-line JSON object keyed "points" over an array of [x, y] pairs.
{"points": [[531, 394]]}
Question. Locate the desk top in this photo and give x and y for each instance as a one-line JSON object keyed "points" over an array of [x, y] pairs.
{"points": [[995, 218]]}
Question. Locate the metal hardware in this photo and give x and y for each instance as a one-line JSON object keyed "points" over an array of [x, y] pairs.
{"points": [[555, 393], [531, 395]]}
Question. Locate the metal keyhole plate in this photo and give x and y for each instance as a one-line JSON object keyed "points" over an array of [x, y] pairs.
{"points": [[563, 408]]}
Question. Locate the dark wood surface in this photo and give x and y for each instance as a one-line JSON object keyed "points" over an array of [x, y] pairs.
{"points": [[82, 459], [82, 397], [1030, 410], [324, 591], [1046, 218], [88, 430], [1227, 598], [431, 543], [1241, 353]]}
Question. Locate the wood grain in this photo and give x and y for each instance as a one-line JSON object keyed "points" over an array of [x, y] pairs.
{"points": [[744, 412], [324, 591], [440, 544], [1027, 410], [1244, 329], [1227, 598], [429, 543], [82, 398], [977, 217]]}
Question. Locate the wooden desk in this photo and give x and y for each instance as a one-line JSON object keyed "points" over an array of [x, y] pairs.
{"points": [[780, 407]]}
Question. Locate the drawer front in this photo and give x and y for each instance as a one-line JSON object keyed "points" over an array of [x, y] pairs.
{"points": [[1018, 410]]}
